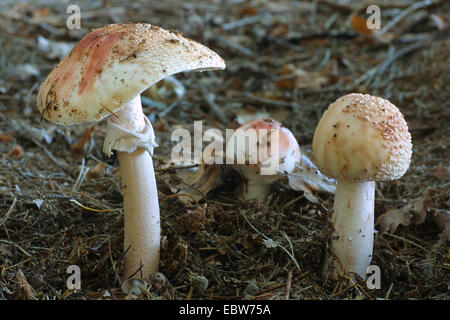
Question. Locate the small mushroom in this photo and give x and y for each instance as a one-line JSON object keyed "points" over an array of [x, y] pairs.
{"points": [[359, 140], [103, 76], [262, 151]]}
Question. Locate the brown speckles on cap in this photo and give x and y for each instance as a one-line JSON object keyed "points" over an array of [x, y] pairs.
{"points": [[117, 61], [373, 142]]}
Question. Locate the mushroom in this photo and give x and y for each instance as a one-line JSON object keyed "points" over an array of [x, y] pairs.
{"points": [[270, 152], [103, 76], [359, 140]]}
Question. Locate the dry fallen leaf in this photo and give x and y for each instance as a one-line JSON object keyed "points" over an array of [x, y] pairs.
{"points": [[439, 21], [44, 133], [96, 172], [27, 71], [85, 144], [133, 287], [17, 152], [54, 49], [196, 185], [280, 30], [383, 37], [5, 250], [293, 77], [248, 11], [442, 219], [248, 113], [26, 288], [194, 220], [42, 12], [391, 219], [442, 173], [360, 25], [199, 211], [6, 138], [306, 177], [116, 172]]}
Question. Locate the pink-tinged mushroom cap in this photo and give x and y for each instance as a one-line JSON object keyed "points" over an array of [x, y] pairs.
{"points": [[288, 148], [112, 65]]}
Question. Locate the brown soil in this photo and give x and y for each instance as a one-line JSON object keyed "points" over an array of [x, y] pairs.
{"points": [[221, 238]]}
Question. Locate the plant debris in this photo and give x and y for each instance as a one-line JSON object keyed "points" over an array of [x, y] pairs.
{"points": [[286, 60]]}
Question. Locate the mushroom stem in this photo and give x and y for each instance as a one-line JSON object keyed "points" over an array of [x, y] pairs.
{"points": [[257, 190], [257, 186], [142, 233], [353, 225]]}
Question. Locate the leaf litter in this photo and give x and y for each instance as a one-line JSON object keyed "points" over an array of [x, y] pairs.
{"points": [[288, 60]]}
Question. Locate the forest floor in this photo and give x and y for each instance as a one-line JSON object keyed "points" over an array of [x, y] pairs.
{"points": [[285, 59]]}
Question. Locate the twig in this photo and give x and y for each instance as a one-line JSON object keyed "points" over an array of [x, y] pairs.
{"points": [[216, 110], [176, 167], [14, 244], [288, 285], [406, 240], [257, 294], [295, 38], [234, 47], [336, 6], [92, 209], [291, 202], [248, 97], [243, 22], [262, 296], [167, 110], [388, 293], [81, 177], [304, 289], [290, 254], [348, 8], [7, 214], [377, 71], [398, 54], [355, 285], [51, 157], [398, 18]]}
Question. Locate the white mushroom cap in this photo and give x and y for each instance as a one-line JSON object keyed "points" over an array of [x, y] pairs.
{"points": [[288, 149], [362, 138], [112, 65]]}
